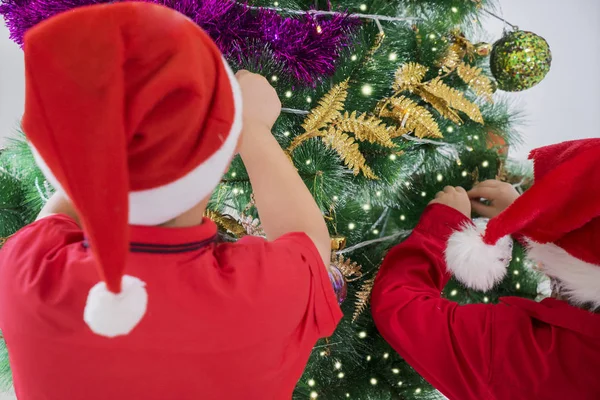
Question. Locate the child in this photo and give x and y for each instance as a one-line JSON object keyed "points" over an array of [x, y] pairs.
{"points": [[134, 116], [517, 349]]}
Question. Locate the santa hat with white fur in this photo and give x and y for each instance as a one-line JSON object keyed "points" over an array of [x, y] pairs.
{"points": [[559, 219], [133, 114]]}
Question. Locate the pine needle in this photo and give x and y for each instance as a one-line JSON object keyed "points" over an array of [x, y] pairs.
{"points": [[348, 151]]}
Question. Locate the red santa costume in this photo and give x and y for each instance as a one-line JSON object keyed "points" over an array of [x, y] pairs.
{"points": [[517, 349], [133, 114]]}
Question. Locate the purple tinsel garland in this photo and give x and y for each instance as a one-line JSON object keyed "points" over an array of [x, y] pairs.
{"points": [[306, 49]]}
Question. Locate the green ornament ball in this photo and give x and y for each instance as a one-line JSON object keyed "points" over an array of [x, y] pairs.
{"points": [[520, 60]]}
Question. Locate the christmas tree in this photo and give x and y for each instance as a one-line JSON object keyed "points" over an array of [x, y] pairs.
{"points": [[385, 103]]}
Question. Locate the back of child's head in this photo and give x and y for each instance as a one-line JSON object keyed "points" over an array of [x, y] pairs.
{"points": [[132, 113]]}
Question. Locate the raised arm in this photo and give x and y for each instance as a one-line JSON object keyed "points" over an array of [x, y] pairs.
{"points": [[284, 202], [58, 204]]}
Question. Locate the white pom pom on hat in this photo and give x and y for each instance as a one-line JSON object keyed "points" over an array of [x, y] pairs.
{"points": [[476, 264]]}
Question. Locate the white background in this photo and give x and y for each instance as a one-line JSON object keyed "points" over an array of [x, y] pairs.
{"points": [[564, 106]]}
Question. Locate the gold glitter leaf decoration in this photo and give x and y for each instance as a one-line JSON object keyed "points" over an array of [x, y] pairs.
{"points": [[440, 105], [350, 269], [454, 98], [328, 109], [452, 58], [362, 298], [408, 76], [348, 151], [474, 77], [412, 116], [370, 129], [226, 222]]}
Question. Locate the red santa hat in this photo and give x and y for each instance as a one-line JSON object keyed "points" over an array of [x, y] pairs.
{"points": [[559, 218], [134, 115]]}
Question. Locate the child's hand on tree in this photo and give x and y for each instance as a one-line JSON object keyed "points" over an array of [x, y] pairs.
{"points": [[261, 104], [499, 195], [454, 197]]}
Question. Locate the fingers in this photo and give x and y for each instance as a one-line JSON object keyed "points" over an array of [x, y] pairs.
{"points": [[483, 192], [482, 209]]}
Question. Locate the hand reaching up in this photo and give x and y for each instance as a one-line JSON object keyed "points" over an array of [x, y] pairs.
{"points": [[454, 197], [498, 194]]}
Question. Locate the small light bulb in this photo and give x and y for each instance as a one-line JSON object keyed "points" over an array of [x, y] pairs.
{"points": [[368, 358], [236, 191], [423, 194], [378, 193], [453, 292], [469, 148], [362, 334], [288, 94], [518, 286], [476, 137], [386, 355], [367, 90], [464, 173], [373, 381], [338, 365], [395, 370], [353, 57], [323, 353], [347, 394], [363, 7], [308, 100], [407, 184], [418, 390], [393, 57], [341, 375], [440, 177], [335, 198], [351, 226], [458, 162], [454, 9], [276, 3], [274, 78], [485, 164], [392, 157], [400, 383], [366, 207], [375, 232], [233, 174], [319, 29], [486, 299], [241, 191], [402, 217], [450, 129], [516, 272], [434, 49], [518, 259], [314, 395], [311, 382], [286, 133], [308, 162], [432, 36]]}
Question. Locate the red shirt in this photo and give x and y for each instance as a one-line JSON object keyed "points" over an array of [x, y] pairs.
{"points": [[224, 321], [517, 349]]}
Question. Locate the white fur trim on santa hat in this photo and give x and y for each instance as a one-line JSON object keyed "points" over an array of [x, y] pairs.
{"points": [[474, 263], [109, 314], [158, 205], [579, 280]]}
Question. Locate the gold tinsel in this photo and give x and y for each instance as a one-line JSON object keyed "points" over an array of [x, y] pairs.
{"points": [[452, 58], [226, 222], [362, 298], [454, 98], [3, 240], [338, 243], [408, 76], [328, 109], [474, 77], [350, 269], [347, 149], [412, 116], [370, 129]]}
